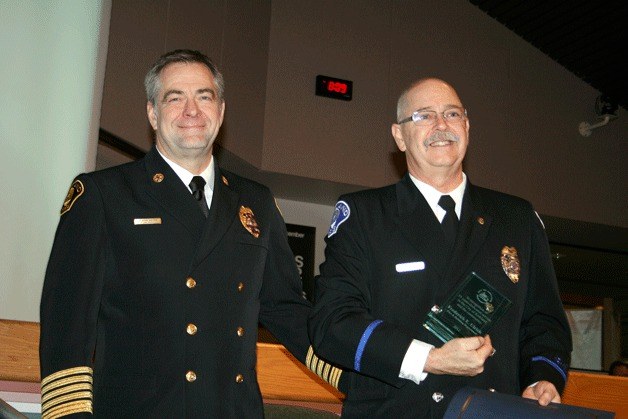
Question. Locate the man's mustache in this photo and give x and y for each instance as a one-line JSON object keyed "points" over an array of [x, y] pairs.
{"points": [[441, 136]]}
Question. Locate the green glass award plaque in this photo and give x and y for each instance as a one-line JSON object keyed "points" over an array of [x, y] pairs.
{"points": [[472, 309]]}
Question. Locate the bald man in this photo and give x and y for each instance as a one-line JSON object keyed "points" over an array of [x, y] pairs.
{"points": [[394, 254]]}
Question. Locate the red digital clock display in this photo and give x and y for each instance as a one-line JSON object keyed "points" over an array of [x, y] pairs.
{"points": [[334, 88]]}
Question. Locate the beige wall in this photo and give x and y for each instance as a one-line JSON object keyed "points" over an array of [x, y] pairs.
{"points": [[51, 77], [524, 108]]}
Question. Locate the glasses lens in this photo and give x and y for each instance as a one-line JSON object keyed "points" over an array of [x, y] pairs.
{"points": [[454, 114], [424, 117]]}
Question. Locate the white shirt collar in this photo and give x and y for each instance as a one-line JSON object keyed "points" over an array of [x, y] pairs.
{"points": [[432, 195], [186, 176]]}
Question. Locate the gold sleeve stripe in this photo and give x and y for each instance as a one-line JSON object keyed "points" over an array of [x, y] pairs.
{"points": [[82, 406], [66, 392], [326, 371], [84, 378], [65, 373], [67, 399]]}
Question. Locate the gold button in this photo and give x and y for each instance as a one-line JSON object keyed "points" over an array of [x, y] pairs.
{"points": [[239, 378], [240, 331], [240, 287], [481, 220], [192, 329], [190, 376], [158, 178], [190, 283]]}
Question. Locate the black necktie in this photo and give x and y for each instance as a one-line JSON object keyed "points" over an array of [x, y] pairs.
{"points": [[450, 222], [197, 185]]}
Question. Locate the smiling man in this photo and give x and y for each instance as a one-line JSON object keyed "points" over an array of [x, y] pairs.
{"points": [[161, 270], [397, 253]]}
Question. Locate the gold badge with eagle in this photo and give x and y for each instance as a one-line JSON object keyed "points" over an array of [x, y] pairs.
{"points": [[247, 218], [510, 263], [76, 190]]}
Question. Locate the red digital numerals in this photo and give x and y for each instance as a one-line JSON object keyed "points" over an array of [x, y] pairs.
{"points": [[338, 87]]}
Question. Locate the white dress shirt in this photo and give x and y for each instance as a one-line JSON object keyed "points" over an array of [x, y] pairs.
{"points": [[416, 356]]}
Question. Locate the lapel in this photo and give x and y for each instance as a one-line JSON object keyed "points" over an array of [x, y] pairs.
{"points": [[166, 188], [420, 226], [475, 223], [223, 212]]}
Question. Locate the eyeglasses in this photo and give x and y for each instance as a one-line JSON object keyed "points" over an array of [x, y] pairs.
{"points": [[426, 118]]}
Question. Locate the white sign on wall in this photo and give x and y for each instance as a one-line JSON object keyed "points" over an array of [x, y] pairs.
{"points": [[586, 333]]}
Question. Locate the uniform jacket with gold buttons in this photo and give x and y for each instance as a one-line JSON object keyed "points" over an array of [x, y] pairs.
{"points": [[152, 309], [368, 310]]}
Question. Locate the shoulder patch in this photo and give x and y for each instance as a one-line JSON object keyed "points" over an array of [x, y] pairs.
{"points": [[341, 214], [76, 190]]}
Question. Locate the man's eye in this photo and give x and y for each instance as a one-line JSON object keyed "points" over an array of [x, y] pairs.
{"points": [[173, 99], [424, 116], [453, 114]]}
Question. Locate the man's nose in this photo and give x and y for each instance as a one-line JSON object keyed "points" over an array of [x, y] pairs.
{"points": [[441, 122], [191, 108]]}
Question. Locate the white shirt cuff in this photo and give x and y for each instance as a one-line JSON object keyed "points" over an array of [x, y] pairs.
{"points": [[414, 361]]}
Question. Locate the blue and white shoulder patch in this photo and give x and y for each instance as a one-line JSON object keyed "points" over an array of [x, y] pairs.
{"points": [[341, 214]]}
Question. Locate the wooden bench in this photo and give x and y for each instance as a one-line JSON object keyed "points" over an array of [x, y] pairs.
{"points": [[19, 351], [598, 391], [282, 379]]}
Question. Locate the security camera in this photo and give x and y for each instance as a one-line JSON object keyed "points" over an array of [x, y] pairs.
{"points": [[605, 105], [606, 109]]}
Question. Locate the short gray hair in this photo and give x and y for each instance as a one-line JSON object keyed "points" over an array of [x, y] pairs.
{"points": [[402, 102], [152, 83]]}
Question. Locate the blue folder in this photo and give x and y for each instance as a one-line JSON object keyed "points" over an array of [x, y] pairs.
{"points": [[473, 403]]}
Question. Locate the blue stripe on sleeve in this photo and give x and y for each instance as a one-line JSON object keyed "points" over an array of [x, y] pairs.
{"points": [[365, 337], [556, 366]]}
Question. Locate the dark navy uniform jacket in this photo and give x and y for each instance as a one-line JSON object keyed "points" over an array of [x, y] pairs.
{"points": [[157, 305], [367, 313]]}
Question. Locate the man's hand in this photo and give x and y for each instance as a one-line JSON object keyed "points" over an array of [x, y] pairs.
{"points": [[461, 356], [543, 391]]}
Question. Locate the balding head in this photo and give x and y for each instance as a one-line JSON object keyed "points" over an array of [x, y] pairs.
{"points": [[403, 102]]}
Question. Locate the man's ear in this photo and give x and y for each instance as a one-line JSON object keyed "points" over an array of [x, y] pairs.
{"points": [[395, 129], [152, 114]]}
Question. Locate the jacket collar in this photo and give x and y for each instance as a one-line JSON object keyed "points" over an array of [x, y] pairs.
{"points": [[169, 192], [420, 226]]}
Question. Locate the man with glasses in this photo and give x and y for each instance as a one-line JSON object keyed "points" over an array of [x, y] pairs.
{"points": [[394, 254]]}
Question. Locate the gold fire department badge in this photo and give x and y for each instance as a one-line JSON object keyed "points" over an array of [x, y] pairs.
{"points": [[75, 191], [510, 263], [248, 221]]}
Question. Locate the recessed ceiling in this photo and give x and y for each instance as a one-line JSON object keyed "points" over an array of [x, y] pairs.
{"points": [[588, 38]]}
